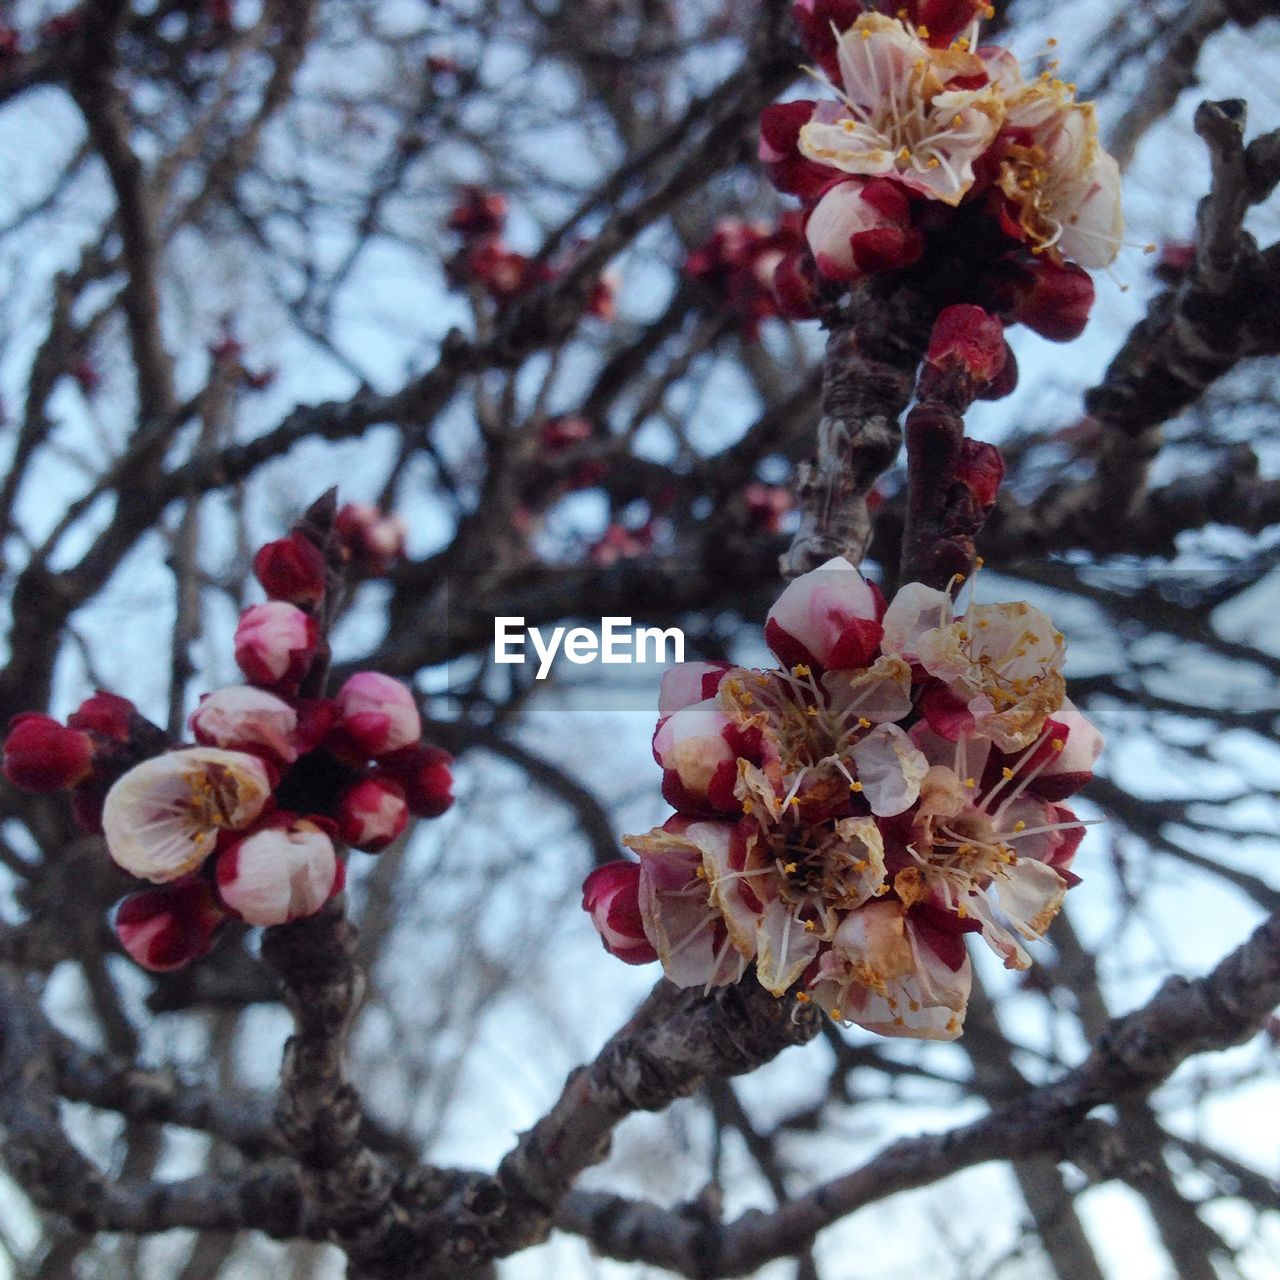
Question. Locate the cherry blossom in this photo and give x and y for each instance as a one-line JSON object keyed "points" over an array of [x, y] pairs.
{"points": [[898, 117], [162, 819], [843, 821]]}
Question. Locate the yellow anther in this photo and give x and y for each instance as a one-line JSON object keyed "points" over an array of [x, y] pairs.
{"points": [[748, 806], [957, 121], [789, 868], [811, 711], [863, 722], [1006, 773], [1052, 42], [801, 998], [971, 783], [701, 873], [932, 163], [801, 671], [794, 802], [1148, 248], [904, 154], [922, 32], [855, 786], [959, 577], [979, 562], [1057, 744], [1020, 825], [809, 926], [961, 43], [837, 1015]]}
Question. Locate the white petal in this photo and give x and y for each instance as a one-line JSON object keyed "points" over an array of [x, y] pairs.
{"points": [[890, 770], [881, 693], [913, 611], [785, 948]]}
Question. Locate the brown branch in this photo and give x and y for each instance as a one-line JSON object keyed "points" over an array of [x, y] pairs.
{"points": [[1192, 334], [1134, 1055], [868, 376]]}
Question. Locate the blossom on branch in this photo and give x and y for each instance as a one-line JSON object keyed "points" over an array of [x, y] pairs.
{"points": [[250, 822], [843, 820], [937, 157]]}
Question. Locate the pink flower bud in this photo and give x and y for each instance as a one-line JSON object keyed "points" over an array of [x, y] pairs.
{"points": [[107, 714], [766, 504], [968, 337], [278, 874], [291, 569], [42, 755], [242, 718], [425, 775], [378, 713], [698, 748], [828, 617], [860, 227], [611, 895], [374, 539], [275, 644], [689, 682], [165, 929], [372, 813]]}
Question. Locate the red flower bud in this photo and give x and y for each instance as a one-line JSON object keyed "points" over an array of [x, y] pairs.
{"points": [[372, 813], [478, 212], [291, 569], [105, 713], [425, 775], [1054, 300], [42, 755], [611, 895], [796, 286], [980, 468], [164, 929], [969, 337]]}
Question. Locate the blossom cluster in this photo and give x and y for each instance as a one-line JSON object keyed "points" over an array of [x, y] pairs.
{"points": [[250, 820], [479, 217], [843, 820], [937, 150], [739, 262]]}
